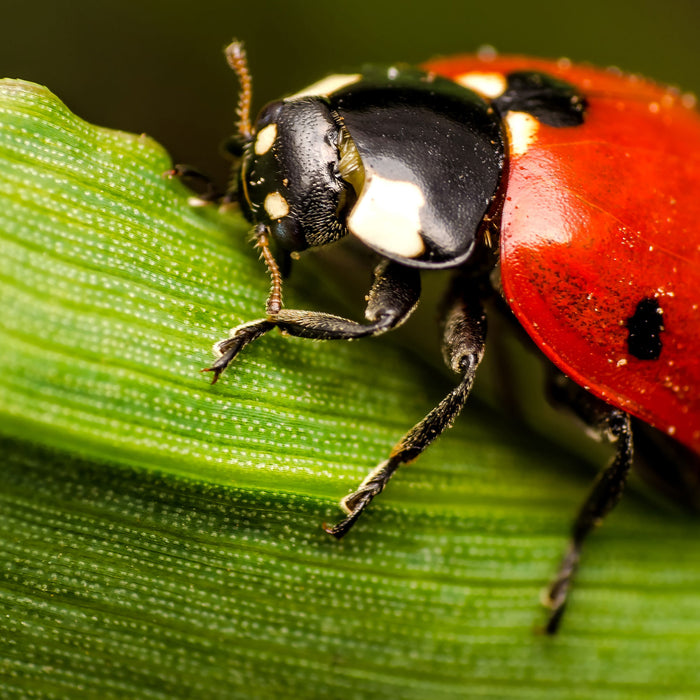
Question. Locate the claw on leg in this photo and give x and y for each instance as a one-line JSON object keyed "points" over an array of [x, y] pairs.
{"points": [[556, 594], [230, 347], [356, 502]]}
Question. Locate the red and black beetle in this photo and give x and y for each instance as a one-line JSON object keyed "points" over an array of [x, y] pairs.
{"points": [[567, 194]]}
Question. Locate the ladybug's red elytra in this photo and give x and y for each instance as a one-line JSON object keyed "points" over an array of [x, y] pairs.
{"points": [[567, 195]]}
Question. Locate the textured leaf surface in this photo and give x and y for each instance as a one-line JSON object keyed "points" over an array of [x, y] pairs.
{"points": [[160, 537]]}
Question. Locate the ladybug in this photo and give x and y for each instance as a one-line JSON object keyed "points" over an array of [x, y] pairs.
{"points": [[565, 195]]}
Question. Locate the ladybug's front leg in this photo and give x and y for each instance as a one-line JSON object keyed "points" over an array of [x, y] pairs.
{"points": [[615, 426], [463, 348], [391, 300]]}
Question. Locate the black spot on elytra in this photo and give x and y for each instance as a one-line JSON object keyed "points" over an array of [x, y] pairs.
{"points": [[550, 100], [645, 326]]}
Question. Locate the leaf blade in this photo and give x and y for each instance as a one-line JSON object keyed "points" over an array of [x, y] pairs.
{"points": [[161, 537]]}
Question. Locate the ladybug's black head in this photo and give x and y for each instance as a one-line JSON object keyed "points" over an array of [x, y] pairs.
{"points": [[290, 177]]}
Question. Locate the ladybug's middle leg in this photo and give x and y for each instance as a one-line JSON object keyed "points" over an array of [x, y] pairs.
{"points": [[615, 426], [463, 348]]}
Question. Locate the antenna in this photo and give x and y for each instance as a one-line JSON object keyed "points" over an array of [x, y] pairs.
{"points": [[274, 301], [237, 59]]}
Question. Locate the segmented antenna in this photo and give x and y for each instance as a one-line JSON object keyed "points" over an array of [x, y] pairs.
{"points": [[237, 59], [274, 301]]}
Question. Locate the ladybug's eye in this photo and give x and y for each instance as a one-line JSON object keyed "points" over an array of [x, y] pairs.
{"points": [[287, 233]]}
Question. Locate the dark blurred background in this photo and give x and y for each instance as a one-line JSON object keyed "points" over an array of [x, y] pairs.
{"points": [[157, 67]]}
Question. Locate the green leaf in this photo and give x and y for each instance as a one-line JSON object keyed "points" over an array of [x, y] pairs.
{"points": [[160, 537]]}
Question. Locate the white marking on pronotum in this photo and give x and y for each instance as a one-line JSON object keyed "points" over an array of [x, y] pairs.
{"points": [[327, 86], [387, 216], [265, 138], [276, 206], [491, 85], [522, 131]]}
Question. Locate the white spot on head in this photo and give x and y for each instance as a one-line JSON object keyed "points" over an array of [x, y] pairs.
{"points": [[276, 206], [522, 131], [327, 86], [265, 138], [489, 85], [387, 217], [392, 73]]}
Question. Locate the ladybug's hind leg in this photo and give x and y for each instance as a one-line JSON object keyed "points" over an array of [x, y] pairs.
{"points": [[614, 425], [463, 348]]}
